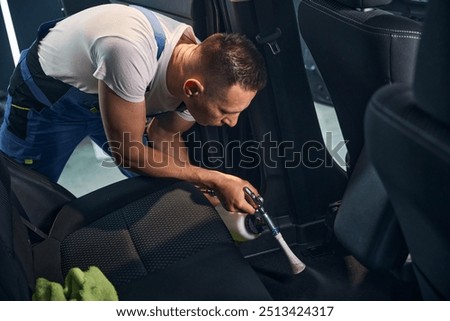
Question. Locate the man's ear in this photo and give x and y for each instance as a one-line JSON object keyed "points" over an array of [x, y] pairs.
{"points": [[192, 87]]}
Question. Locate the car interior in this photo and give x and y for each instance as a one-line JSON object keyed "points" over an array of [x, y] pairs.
{"points": [[371, 226]]}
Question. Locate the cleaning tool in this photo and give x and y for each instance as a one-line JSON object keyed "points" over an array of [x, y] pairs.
{"points": [[245, 227], [297, 266]]}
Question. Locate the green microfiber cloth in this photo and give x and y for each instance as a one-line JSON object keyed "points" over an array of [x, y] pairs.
{"points": [[91, 285], [48, 291]]}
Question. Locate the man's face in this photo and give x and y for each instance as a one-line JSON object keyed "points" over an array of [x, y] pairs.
{"points": [[220, 109]]}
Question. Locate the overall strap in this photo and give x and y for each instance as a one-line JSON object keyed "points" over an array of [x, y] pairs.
{"points": [[160, 37], [45, 28], [25, 71], [28, 79]]}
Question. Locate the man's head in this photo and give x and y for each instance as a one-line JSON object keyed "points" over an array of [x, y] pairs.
{"points": [[226, 75]]}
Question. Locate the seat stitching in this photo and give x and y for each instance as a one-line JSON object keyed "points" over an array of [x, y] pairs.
{"points": [[334, 14]]}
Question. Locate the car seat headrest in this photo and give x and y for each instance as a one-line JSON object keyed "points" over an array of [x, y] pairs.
{"points": [[363, 4], [432, 81]]}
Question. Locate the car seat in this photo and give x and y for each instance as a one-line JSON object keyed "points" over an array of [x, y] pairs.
{"points": [[359, 48], [154, 239], [411, 124]]}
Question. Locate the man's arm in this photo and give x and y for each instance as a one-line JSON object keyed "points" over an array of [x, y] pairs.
{"points": [[165, 132], [124, 124]]}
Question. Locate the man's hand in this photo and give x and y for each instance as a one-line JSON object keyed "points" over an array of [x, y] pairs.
{"points": [[212, 199], [230, 191]]}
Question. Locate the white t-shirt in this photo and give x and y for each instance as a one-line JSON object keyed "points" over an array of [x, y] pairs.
{"points": [[114, 43]]}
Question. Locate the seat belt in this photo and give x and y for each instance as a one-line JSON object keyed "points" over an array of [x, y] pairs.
{"points": [[268, 35], [24, 217], [268, 32]]}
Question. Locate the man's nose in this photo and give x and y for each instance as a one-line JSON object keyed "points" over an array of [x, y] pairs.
{"points": [[231, 121]]}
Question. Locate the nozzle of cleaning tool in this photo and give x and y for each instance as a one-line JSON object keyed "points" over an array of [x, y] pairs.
{"points": [[297, 266]]}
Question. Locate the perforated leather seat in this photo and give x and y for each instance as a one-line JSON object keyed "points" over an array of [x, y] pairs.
{"points": [[358, 49], [411, 124]]}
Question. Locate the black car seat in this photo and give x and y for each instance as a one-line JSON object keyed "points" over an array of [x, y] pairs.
{"points": [[70, 7], [358, 49], [154, 239], [411, 124], [199, 14]]}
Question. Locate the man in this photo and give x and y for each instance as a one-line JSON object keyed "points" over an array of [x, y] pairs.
{"points": [[102, 72]]}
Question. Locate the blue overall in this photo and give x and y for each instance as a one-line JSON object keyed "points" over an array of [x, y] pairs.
{"points": [[53, 132]]}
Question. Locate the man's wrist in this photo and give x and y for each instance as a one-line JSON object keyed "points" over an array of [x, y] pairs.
{"points": [[206, 177]]}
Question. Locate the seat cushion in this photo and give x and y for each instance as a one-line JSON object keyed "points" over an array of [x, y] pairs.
{"points": [[216, 273], [149, 236]]}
